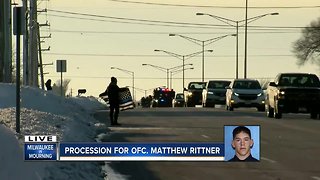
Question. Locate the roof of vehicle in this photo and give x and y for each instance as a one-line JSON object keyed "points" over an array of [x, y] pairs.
{"points": [[245, 80], [219, 81], [197, 82], [297, 73]]}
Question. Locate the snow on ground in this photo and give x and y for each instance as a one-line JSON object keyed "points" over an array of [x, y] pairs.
{"points": [[43, 113]]}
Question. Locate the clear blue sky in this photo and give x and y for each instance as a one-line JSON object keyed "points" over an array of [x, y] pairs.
{"points": [[92, 38]]}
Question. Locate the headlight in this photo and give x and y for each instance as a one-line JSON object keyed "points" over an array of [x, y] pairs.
{"points": [[259, 94], [210, 92], [236, 94], [281, 95]]}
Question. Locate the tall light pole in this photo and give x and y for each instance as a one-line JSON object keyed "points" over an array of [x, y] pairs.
{"points": [[183, 58], [245, 42], [178, 71], [202, 43], [236, 24], [166, 70], [131, 73]]}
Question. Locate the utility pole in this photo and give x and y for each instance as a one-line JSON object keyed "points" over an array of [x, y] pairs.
{"points": [[40, 58], [2, 42], [40, 53], [245, 42], [33, 45], [8, 42], [25, 58], [5, 41]]}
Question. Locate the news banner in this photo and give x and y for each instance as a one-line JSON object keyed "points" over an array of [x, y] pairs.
{"points": [[48, 148]]}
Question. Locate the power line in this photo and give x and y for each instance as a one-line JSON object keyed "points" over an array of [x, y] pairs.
{"points": [[151, 33], [148, 55], [129, 32], [135, 20], [140, 23], [220, 7], [163, 23], [105, 55]]}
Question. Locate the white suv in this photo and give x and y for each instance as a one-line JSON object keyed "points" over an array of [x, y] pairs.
{"points": [[245, 93]]}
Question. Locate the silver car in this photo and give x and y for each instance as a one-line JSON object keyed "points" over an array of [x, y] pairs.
{"points": [[245, 93], [214, 93]]}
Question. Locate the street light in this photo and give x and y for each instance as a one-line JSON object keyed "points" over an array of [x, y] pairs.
{"points": [[143, 90], [236, 24], [202, 43], [131, 73], [184, 57], [166, 69], [176, 72]]}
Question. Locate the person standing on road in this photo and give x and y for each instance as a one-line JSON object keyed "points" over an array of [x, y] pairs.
{"points": [[242, 144], [113, 94]]}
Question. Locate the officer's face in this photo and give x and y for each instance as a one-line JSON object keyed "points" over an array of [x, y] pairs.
{"points": [[242, 144]]}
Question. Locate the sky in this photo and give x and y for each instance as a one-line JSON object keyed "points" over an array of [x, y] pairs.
{"points": [[94, 36], [68, 119]]}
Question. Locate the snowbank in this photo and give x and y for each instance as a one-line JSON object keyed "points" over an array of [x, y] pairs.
{"points": [[45, 113]]}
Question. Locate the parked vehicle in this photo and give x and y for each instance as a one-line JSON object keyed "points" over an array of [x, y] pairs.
{"points": [[162, 97], [245, 93], [193, 95], [293, 93], [214, 93], [178, 101]]}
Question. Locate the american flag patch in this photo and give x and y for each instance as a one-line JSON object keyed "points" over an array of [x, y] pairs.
{"points": [[125, 97]]}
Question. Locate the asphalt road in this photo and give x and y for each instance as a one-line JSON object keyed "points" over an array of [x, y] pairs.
{"points": [[290, 147]]}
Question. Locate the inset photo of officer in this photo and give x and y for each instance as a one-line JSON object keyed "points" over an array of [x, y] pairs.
{"points": [[242, 143]]}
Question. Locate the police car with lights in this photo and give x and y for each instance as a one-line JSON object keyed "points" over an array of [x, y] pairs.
{"points": [[162, 97]]}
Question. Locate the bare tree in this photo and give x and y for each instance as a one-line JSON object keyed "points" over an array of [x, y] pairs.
{"points": [[307, 48], [264, 82]]}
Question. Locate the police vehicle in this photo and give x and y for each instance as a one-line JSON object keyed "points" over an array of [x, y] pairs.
{"points": [[162, 97]]}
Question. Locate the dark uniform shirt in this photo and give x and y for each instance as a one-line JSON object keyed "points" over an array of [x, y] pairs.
{"points": [[248, 159]]}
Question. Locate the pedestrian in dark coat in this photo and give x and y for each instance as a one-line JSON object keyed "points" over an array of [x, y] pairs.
{"points": [[113, 94], [48, 85]]}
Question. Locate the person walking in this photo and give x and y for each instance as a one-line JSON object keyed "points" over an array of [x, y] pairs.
{"points": [[113, 95]]}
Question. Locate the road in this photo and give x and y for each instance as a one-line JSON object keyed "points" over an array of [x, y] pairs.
{"points": [[290, 147]]}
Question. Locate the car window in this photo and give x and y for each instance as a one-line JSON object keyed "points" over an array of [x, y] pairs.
{"points": [[218, 84], [179, 96], [299, 80], [246, 85], [197, 85]]}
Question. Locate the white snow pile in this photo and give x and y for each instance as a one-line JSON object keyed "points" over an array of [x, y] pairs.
{"points": [[43, 113]]}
